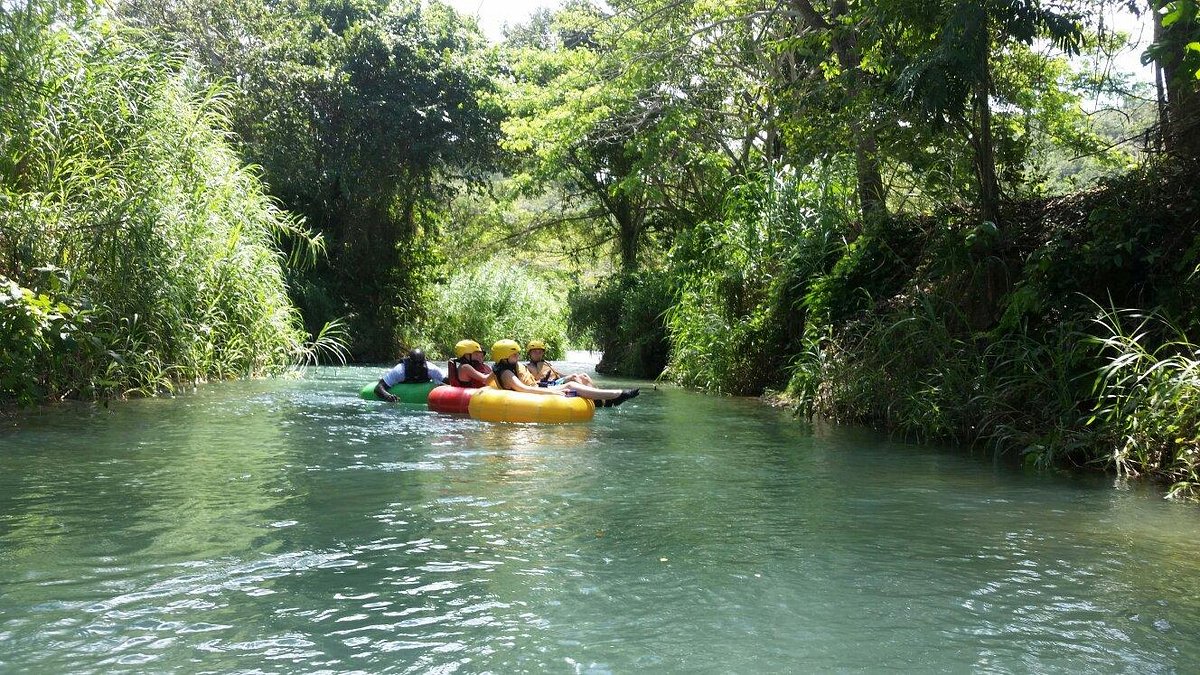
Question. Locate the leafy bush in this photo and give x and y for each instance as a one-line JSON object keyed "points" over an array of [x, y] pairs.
{"points": [[139, 251], [739, 315], [498, 300], [624, 317], [37, 336], [875, 265]]}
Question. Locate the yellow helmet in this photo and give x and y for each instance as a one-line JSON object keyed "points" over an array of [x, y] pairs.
{"points": [[465, 347], [535, 344], [504, 349]]}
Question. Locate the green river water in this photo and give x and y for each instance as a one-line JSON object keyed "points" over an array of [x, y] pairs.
{"points": [[287, 526]]}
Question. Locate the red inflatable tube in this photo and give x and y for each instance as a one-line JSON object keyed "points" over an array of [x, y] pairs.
{"points": [[447, 399]]}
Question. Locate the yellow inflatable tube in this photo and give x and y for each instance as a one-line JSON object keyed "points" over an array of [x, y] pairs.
{"points": [[501, 405]]}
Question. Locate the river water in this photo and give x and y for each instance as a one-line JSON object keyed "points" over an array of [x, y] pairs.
{"points": [[287, 526]]}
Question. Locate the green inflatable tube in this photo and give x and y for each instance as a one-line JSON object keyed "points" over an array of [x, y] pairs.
{"points": [[417, 392]]}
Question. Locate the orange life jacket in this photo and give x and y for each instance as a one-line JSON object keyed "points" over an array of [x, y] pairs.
{"points": [[543, 371]]}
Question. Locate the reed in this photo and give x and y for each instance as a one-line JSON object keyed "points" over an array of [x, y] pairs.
{"points": [[1148, 397], [123, 208]]}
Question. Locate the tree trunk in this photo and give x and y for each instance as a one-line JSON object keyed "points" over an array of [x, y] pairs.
{"points": [[628, 234], [1181, 117], [870, 179], [985, 157], [982, 141], [844, 39], [866, 147]]}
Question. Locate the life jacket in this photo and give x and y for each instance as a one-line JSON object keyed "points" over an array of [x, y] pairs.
{"points": [[543, 371], [418, 372], [455, 381], [494, 381]]}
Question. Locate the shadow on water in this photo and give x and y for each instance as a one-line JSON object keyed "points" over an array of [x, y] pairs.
{"points": [[289, 525]]}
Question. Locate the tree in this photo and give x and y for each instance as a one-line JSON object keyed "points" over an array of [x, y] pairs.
{"points": [[948, 75], [843, 36], [1176, 52], [362, 113]]}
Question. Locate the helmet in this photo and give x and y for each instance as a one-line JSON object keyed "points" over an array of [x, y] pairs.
{"points": [[504, 349], [535, 344], [465, 347], [415, 356]]}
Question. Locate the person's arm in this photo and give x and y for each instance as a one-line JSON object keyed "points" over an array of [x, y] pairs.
{"points": [[466, 372], [381, 391], [514, 383]]}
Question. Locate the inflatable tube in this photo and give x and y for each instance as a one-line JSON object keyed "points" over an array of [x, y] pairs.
{"points": [[455, 400], [499, 405], [407, 392]]}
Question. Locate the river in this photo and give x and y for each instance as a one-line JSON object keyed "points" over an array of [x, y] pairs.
{"points": [[287, 526]]}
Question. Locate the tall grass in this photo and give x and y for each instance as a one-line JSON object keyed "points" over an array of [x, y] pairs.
{"points": [[914, 371], [1148, 397], [1128, 398], [123, 208], [497, 300]]}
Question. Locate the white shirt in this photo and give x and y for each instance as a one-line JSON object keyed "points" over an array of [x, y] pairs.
{"points": [[396, 374]]}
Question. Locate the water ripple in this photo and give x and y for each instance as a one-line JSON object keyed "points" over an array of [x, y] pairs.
{"points": [[289, 526]]}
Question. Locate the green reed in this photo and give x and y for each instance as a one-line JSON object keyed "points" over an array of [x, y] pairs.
{"points": [[1148, 397], [122, 203]]}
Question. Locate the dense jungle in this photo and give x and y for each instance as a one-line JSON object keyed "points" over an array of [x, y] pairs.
{"points": [[961, 222]]}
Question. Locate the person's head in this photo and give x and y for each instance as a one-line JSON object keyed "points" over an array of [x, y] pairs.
{"points": [[416, 357], [415, 365], [506, 350], [470, 350], [536, 349]]}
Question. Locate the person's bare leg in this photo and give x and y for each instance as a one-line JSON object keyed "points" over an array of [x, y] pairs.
{"points": [[611, 397], [593, 393]]}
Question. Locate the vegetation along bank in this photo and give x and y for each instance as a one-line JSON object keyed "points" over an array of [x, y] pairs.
{"points": [[959, 221]]}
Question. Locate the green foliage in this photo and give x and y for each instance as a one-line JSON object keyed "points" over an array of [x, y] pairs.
{"points": [[366, 116], [1133, 244], [623, 315], [1179, 41], [498, 300], [877, 264], [981, 339], [139, 252], [914, 370], [1148, 398], [37, 336], [741, 280]]}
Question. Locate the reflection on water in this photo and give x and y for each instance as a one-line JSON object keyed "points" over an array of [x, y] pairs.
{"points": [[288, 525]]}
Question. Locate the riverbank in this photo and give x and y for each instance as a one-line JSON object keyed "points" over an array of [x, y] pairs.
{"points": [[1066, 333]]}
